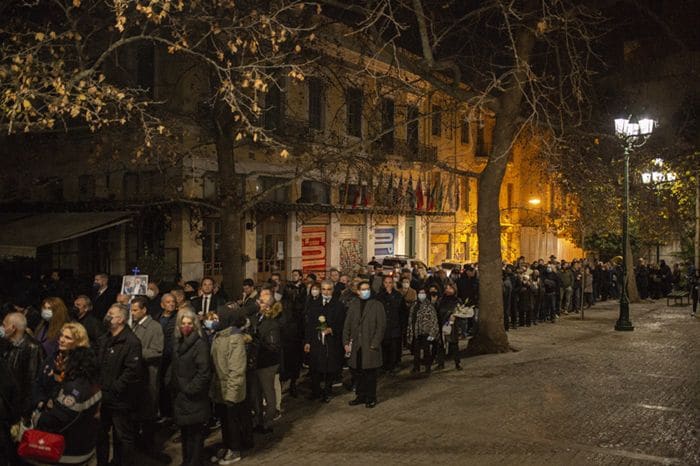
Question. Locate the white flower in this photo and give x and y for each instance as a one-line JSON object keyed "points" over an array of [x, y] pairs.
{"points": [[322, 319]]}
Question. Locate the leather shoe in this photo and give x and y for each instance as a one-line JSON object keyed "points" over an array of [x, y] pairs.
{"points": [[370, 404], [356, 401]]}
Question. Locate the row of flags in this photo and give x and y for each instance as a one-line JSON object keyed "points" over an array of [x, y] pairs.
{"points": [[426, 194]]}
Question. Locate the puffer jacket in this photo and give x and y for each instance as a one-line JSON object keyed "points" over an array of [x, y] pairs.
{"points": [[229, 360], [267, 334]]}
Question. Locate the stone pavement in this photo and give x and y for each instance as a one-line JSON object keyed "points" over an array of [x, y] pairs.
{"points": [[576, 392]]}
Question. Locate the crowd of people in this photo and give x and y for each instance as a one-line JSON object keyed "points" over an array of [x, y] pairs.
{"points": [[112, 371]]}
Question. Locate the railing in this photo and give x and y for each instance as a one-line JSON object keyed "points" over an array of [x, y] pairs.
{"points": [[414, 151]]}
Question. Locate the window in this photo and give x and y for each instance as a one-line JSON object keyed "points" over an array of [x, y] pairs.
{"points": [[86, 187], [314, 192], [210, 185], [481, 147], [350, 194], [315, 103], [269, 185], [466, 192], [464, 130], [211, 246], [131, 185], [437, 121], [387, 124], [412, 116], [274, 110], [353, 100]]}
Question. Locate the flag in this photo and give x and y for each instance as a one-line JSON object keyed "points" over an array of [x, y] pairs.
{"points": [[369, 192], [358, 196], [419, 196], [431, 197], [440, 197], [400, 194], [410, 194], [449, 195], [378, 197], [389, 196]]}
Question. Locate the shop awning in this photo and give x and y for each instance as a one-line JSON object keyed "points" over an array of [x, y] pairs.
{"points": [[22, 234]]}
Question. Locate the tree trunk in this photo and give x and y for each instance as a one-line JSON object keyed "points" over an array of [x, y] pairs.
{"points": [[232, 219], [491, 336], [632, 292]]}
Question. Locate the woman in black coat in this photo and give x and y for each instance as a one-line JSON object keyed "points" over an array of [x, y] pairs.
{"points": [[447, 305], [73, 411], [190, 375], [323, 340]]}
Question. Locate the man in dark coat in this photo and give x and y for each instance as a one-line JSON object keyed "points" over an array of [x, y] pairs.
{"points": [[207, 301], [119, 357], [24, 356], [9, 414], [323, 339], [166, 319], [393, 304], [292, 330], [363, 332], [83, 314], [104, 295]]}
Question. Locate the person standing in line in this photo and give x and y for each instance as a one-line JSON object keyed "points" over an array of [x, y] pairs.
{"points": [[423, 330], [189, 379], [363, 332], [119, 358]]}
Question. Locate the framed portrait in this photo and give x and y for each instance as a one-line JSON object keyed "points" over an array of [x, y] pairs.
{"points": [[133, 285]]}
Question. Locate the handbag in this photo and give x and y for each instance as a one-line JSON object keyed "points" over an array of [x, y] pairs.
{"points": [[45, 447], [37, 445]]}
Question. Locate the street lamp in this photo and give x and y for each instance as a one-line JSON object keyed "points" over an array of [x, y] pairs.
{"points": [[633, 135]]}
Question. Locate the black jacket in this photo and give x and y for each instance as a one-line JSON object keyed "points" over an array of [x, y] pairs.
{"points": [[93, 326], [267, 334], [121, 369], [9, 397], [73, 415], [25, 361], [215, 304], [327, 354], [393, 307], [190, 376], [102, 302]]}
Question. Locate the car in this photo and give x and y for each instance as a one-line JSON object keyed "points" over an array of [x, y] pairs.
{"points": [[391, 263], [449, 264]]}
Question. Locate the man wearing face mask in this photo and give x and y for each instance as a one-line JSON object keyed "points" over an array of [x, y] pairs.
{"points": [[103, 295], [363, 333], [23, 355], [249, 301], [119, 358], [150, 334], [82, 313], [153, 296]]}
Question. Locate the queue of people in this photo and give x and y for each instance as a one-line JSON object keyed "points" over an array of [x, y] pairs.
{"points": [[112, 378]]}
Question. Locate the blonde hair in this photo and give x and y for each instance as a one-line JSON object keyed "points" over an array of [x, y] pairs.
{"points": [[79, 334], [181, 314]]}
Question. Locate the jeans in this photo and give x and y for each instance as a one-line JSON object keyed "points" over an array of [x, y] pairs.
{"points": [[566, 298], [422, 352], [263, 386], [122, 427], [192, 444]]}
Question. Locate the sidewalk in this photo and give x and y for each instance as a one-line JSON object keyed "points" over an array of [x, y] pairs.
{"points": [[576, 392]]}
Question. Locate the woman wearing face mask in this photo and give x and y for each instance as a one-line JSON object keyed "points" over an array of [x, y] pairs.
{"points": [[422, 331], [446, 307], [47, 386], [54, 314], [409, 298], [190, 373]]}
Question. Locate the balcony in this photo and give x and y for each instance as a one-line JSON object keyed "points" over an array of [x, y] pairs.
{"points": [[414, 151]]}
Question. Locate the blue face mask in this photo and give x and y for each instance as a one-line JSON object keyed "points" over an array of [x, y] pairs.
{"points": [[211, 324], [364, 294]]}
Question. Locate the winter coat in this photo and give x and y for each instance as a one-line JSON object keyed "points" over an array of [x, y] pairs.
{"points": [[121, 369], [423, 321], [365, 324], [445, 308], [327, 353], [291, 322], [229, 362], [74, 415], [150, 334], [25, 361], [266, 332], [588, 281], [93, 327], [190, 375], [393, 307]]}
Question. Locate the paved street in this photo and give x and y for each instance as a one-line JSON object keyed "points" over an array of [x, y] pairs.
{"points": [[577, 392]]}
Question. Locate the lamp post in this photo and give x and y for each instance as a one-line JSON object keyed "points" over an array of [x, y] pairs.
{"points": [[633, 134]]}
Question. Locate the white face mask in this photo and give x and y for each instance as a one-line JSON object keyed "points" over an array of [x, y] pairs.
{"points": [[422, 296], [46, 314], [315, 292], [278, 296], [150, 293]]}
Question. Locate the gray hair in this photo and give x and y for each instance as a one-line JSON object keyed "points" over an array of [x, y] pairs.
{"points": [[123, 310], [181, 314], [328, 283], [88, 301], [165, 296], [18, 320]]}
